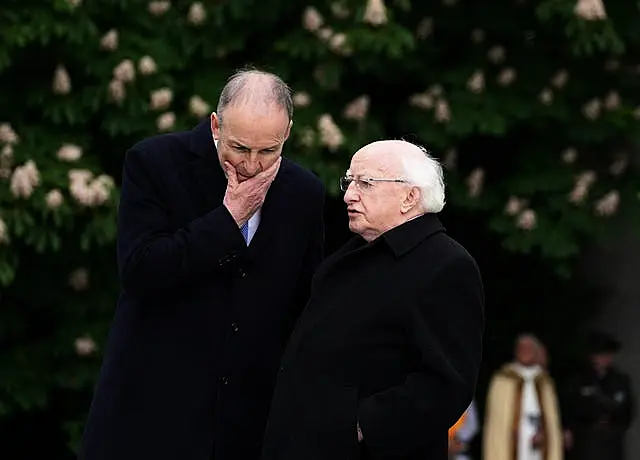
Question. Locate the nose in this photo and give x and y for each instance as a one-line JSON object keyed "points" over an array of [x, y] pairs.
{"points": [[351, 195], [252, 163]]}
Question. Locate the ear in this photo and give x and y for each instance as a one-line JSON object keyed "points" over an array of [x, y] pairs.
{"points": [[411, 199], [215, 126], [286, 134]]}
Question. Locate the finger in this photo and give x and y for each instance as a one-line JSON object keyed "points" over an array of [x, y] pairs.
{"points": [[232, 177], [271, 172]]}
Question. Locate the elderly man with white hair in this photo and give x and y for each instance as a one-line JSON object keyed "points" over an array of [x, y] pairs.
{"points": [[385, 357]]}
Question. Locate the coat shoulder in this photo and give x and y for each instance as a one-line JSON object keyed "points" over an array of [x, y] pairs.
{"points": [[303, 179], [163, 149]]}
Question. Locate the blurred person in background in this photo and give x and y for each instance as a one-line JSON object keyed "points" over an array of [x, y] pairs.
{"points": [[522, 416], [218, 239], [462, 433], [386, 355], [600, 404]]}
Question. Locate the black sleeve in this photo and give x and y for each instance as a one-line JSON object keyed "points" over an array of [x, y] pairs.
{"points": [[152, 259], [447, 326]]}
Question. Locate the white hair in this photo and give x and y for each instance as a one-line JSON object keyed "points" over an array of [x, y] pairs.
{"points": [[425, 172]]}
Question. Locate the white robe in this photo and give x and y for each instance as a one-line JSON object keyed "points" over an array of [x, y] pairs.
{"points": [[529, 413]]}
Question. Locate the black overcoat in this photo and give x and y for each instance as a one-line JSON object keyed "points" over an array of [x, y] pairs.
{"points": [[391, 338], [202, 319], [599, 411]]}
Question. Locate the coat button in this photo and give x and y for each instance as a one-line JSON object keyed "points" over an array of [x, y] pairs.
{"points": [[234, 326], [243, 274], [225, 380]]}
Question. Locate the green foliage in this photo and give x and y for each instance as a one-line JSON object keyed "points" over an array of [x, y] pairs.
{"points": [[498, 92]]}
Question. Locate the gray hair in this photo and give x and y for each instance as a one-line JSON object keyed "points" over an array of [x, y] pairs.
{"points": [[255, 87], [425, 172]]}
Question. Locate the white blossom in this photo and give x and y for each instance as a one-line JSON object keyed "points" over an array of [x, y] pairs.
{"points": [[325, 34], [612, 100], [475, 182], [608, 204], [375, 12], [159, 7], [61, 81], [87, 191], [506, 76], [312, 20], [560, 79], [54, 199], [636, 113], [338, 43], [497, 54], [619, 165], [197, 14], [6, 161], [514, 205], [581, 187], [8, 135], [592, 109], [199, 107], [330, 134], [569, 155], [358, 108], [450, 160], [590, 10], [301, 99], [4, 232], [475, 83], [125, 71], [85, 346], [109, 41], [339, 10], [147, 66], [117, 90], [527, 219], [443, 113], [166, 121], [74, 3], [422, 100], [24, 180], [546, 96], [69, 152], [307, 136], [161, 98]]}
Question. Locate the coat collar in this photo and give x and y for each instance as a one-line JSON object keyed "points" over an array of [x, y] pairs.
{"points": [[407, 236]]}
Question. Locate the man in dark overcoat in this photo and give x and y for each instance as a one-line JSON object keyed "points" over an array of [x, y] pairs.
{"points": [[385, 357], [600, 404], [218, 239]]}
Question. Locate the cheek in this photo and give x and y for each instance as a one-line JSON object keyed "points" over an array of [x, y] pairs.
{"points": [[229, 155], [267, 161]]}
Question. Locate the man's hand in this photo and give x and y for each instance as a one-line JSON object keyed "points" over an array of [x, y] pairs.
{"points": [[243, 199], [538, 441]]}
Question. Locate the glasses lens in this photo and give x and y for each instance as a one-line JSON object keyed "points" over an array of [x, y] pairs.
{"points": [[344, 183]]}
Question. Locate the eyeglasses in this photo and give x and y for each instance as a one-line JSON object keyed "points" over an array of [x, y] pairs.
{"points": [[364, 183]]}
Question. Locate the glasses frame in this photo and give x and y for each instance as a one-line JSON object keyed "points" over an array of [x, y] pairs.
{"points": [[347, 179]]}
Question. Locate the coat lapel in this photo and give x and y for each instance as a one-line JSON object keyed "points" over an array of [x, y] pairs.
{"points": [[205, 167], [275, 213]]}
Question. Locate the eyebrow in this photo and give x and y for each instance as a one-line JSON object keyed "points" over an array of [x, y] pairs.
{"points": [[241, 145]]}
